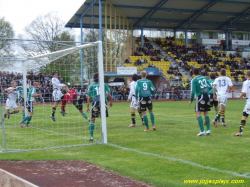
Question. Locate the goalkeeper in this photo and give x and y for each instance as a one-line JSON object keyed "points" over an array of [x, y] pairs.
{"points": [[76, 99]]}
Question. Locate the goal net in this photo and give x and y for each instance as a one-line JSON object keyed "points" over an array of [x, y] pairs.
{"points": [[44, 123]]}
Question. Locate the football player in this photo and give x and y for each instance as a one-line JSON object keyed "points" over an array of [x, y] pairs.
{"points": [[222, 85]]}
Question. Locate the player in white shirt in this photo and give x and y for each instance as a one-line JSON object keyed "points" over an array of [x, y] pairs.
{"points": [[11, 99], [131, 98], [246, 111], [222, 86], [57, 93]]}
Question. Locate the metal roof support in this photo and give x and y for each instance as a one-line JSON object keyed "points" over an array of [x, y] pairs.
{"points": [[226, 40], [150, 13], [82, 56], [186, 39], [196, 15], [235, 19], [85, 12], [142, 39]]}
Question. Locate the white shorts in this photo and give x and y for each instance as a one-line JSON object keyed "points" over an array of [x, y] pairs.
{"points": [[10, 104], [57, 95], [133, 103], [222, 100], [247, 107]]}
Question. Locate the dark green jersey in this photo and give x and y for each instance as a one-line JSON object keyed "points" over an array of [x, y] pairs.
{"points": [[199, 86], [21, 91], [144, 88], [94, 91], [211, 82]]}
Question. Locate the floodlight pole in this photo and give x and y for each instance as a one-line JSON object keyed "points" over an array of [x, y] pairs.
{"points": [[226, 38], [142, 41]]}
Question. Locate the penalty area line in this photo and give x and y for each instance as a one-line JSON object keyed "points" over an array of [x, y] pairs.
{"points": [[245, 175]]}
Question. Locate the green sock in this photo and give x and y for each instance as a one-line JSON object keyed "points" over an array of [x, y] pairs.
{"points": [[200, 122], [23, 113], [28, 120], [207, 119], [91, 128], [25, 119], [145, 119], [152, 117], [85, 116]]}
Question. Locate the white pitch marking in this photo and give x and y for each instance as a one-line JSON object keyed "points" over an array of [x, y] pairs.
{"points": [[246, 175]]}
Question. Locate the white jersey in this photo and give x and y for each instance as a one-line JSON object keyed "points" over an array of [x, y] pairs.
{"points": [[56, 84], [132, 89], [14, 95], [222, 84], [246, 89]]}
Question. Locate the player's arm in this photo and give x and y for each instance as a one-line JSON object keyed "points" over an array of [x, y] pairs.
{"points": [[242, 95], [137, 91], [193, 90], [88, 102], [58, 84], [110, 100], [214, 92]]}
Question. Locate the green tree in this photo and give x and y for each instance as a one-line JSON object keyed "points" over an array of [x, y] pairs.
{"points": [[50, 35], [6, 45]]}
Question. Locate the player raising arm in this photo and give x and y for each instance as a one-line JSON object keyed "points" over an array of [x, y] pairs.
{"points": [[200, 87], [94, 97], [246, 111]]}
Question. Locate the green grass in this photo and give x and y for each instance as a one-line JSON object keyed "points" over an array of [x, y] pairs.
{"points": [[165, 157]]}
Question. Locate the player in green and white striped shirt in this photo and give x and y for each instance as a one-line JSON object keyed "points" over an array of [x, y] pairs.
{"points": [[29, 104]]}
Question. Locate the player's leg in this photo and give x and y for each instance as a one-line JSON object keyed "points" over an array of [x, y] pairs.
{"points": [[26, 118], [79, 106], [132, 111], [242, 124], [199, 107], [152, 116], [95, 110], [243, 120], [207, 107], [219, 114], [64, 102], [7, 108], [143, 108], [31, 111]]}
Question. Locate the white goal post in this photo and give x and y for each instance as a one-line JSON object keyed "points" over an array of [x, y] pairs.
{"points": [[69, 131]]}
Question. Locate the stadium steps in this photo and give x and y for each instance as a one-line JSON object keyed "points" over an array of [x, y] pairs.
{"points": [[172, 62]]}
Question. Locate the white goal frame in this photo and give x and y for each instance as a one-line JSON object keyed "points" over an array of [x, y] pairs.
{"points": [[61, 53]]}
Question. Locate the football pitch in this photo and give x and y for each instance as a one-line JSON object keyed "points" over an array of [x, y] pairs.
{"points": [[170, 156]]}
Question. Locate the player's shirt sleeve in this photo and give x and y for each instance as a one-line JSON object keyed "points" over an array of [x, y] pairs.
{"points": [[131, 90], [244, 87], [230, 82], [152, 87], [137, 89], [89, 90], [56, 82], [193, 90]]}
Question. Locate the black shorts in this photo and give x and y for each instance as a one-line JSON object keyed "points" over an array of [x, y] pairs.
{"points": [[96, 108], [29, 106], [202, 103], [78, 102], [212, 101], [145, 102]]}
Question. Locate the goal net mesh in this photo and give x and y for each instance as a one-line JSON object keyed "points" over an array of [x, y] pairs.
{"points": [[70, 126]]}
